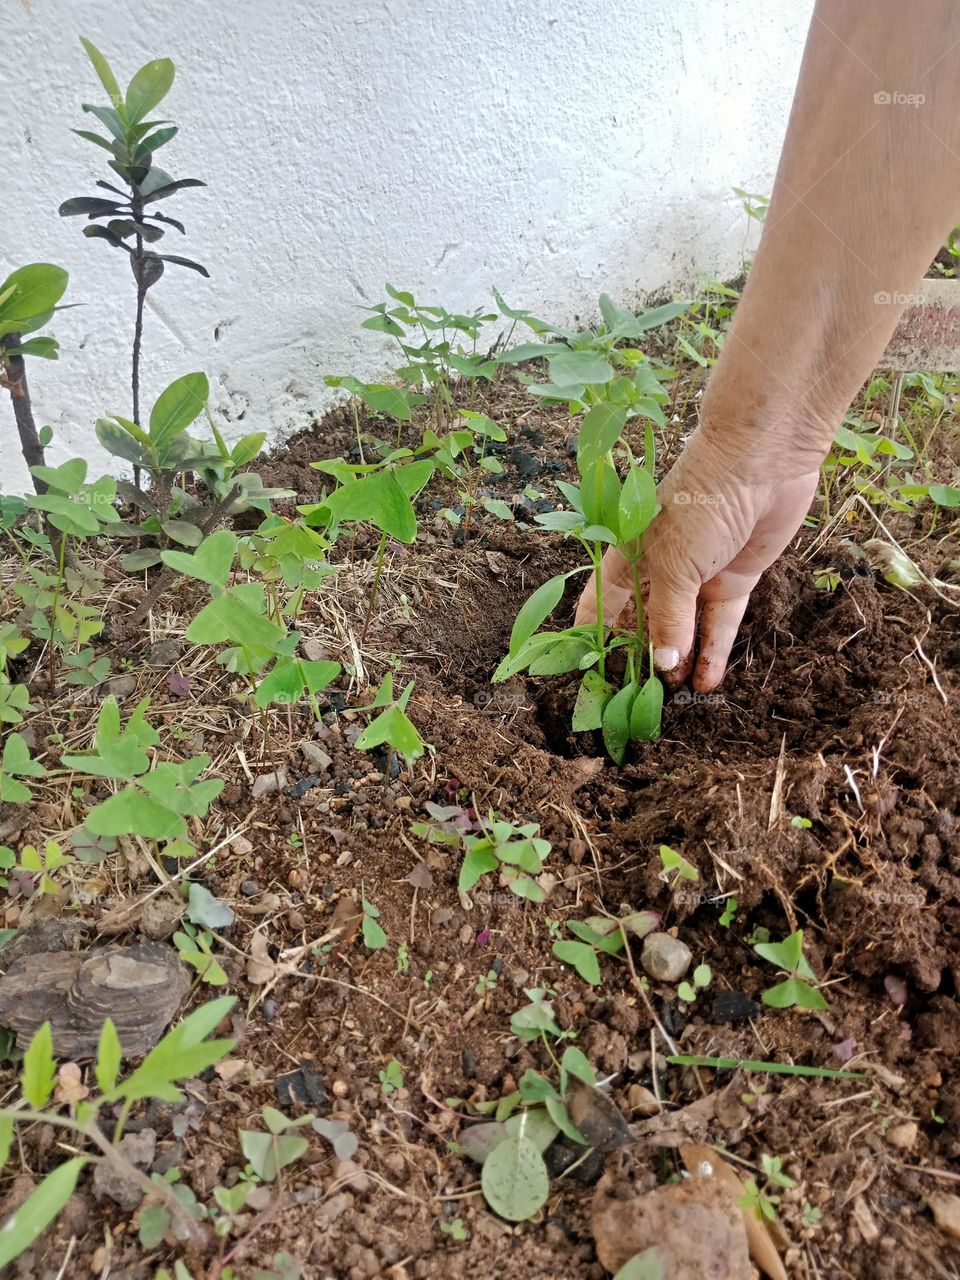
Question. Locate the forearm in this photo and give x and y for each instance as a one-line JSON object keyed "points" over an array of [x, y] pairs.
{"points": [[865, 194]]}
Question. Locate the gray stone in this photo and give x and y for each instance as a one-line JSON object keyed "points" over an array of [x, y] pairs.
{"points": [[268, 784], [317, 759], [114, 1182], [665, 958]]}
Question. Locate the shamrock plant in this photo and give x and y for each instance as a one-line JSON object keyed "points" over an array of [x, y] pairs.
{"points": [[16, 763], [601, 936], [269, 1153], [392, 727], [517, 851], [605, 511], [799, 988], [259, 647], [185, 1051], [157, 798]]}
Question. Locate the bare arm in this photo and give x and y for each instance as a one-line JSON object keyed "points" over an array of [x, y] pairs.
{"points": [[867, 188]]}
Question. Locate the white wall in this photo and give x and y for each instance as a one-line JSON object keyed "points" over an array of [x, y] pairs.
{"points": [[553, 148]]}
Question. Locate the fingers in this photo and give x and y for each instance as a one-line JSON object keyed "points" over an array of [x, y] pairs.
{"points": [[617, 590], [672, 622], [719, 624]]}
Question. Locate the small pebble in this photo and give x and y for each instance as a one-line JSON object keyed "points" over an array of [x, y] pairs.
{"points": [[249, 888], [665, 958]]}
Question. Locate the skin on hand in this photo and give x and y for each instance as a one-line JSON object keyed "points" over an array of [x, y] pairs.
{"points": [[867, 188]]}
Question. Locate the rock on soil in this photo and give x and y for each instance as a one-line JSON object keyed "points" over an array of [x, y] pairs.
{"points": [[696, 1228], [665, 958], [946, 1212], [115, 1183]]}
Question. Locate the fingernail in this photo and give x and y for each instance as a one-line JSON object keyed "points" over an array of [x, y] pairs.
{"points": [[666, 659]]}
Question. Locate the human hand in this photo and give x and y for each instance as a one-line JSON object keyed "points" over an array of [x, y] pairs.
{"points": [[723, 520]]}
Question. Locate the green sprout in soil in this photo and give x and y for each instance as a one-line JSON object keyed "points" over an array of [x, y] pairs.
{"points": [[760, 1200], [702, 977], [183, 1052], [798, 989]]}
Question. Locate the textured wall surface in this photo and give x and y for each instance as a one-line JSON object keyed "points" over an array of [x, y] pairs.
{"points": [[553, 148]]}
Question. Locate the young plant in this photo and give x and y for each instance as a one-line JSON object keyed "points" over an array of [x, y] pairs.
{"points": [[591, 367], [391, 1078], [374, 937], [183, 1052], [44, 866], [28, 298], [605, 512], [154, 802], [514, 1175], [676, 867], [271, 1152], [702, 977], [129, 223], [257, 638], [761, 1201], [601, 935], [799, 989], [433, 364], [518, 852], [196, 949], [392, 728], [380, 494]]}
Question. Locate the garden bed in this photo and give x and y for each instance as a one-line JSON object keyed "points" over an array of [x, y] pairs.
{"points": [[818, 787]]}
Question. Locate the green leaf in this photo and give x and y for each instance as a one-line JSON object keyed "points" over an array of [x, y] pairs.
{"points": [[229, 619], [6, 1138], [478, 862], [373, 933], [515, 1180], [182, 531], [592, 697], [535, 610], [599, 432], [183, 1052], [130, 812], [176, 407], [565, 655], [102, 68], [787, 955], [600, 495], [39, 1069], [616, 722], [153, 1223], [210, 563], [390, 400], [638, 503], [149, 86], [39, 1209], [109, 1056], [793, 992], [378, 498], [648, 1265], [945, 495], [576, 1063], [646, 712], [30, 291], [578, 368], [583, 958], [557, 1111]]}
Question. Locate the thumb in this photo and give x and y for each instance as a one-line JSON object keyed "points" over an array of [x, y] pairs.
{"points": [[672, 620]]}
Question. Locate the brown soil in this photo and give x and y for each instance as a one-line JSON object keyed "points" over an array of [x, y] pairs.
{"points": [[831, 713]]}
